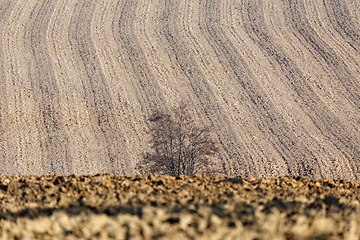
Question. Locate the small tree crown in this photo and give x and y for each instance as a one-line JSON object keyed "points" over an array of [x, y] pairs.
{"points": [[179, 145]]}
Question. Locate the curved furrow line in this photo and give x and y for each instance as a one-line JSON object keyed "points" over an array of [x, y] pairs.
{"points": [[345, 75], [198, 66], [183, 77], [45, 86], [279, 106], [169, 54], [343, 22], [325, 44], [284, 138], [213, 105], [262, 93], [6, 160], [74, 117], [142, 91], [134, 60], [168, 39], [27, 59], [182, 54], [118, 79], [233, 69], [96, 89], [187, 54], [210, 77], [321, 92], [325, 79], [86, 152], [317, 109], [330, 125], [286, 56]]}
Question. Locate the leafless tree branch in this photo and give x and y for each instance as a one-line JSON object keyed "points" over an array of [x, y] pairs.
{"points": [[180, 146]]}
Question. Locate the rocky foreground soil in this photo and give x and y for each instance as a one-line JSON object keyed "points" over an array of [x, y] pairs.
{"points": [[161, 207]]}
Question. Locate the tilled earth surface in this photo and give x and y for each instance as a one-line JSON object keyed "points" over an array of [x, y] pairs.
{"points": [[161, 207], [278, 79]]}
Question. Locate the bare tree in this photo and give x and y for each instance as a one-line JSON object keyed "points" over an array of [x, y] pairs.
{"points": [[180, 146]]}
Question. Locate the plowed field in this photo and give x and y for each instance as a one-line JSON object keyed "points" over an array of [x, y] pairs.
{"points": [[278, 79], [160, 207]]}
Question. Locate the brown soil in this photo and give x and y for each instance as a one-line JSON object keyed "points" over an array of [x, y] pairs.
{"points": [[279, 80], [160, 207]]}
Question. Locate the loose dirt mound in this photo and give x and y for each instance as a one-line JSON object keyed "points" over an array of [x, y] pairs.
{"points": [[159, 207], [279, 80]]}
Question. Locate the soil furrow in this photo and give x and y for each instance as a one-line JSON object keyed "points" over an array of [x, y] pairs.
{"points": [[279, 80]]}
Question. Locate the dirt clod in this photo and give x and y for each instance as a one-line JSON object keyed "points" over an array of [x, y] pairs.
{"points": [[161, 207]]}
